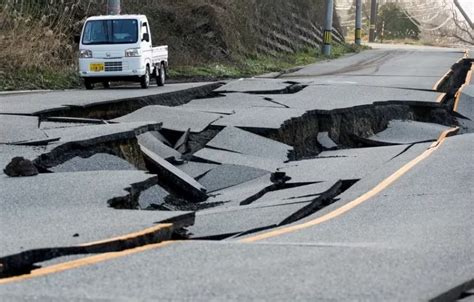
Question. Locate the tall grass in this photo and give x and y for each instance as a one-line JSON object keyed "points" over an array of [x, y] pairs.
{"points": [[36, 34], [36, 42]]}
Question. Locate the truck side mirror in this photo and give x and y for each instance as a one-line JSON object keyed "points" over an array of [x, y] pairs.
{"points": [[146, 37], [77, 39]]}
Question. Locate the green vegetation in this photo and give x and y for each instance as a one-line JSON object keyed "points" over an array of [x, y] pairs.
{"points": [[38, 78], [392, 23], [260, 64]]}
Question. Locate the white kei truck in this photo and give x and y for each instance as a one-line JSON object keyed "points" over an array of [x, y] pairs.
{"points": [[119, 48]]}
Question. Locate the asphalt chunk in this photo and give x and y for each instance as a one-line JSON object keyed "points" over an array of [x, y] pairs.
{"points": [[20, 129], [244, 142], [225, 176], [173, 118]]}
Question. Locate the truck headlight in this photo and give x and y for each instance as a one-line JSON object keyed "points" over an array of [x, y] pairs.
{"points": [[85, 53], [133, 52]]}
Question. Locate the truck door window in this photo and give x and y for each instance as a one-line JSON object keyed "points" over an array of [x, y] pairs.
{"points": [[144, 29]]}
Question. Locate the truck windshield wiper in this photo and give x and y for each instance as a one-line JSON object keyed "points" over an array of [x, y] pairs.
{"points": [[98, 42]]}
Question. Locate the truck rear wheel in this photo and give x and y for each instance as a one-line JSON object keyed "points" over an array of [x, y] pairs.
{"points": [[145, 80], [160, 80], [88, 83]]}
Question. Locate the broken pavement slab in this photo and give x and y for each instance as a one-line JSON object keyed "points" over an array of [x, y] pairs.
{"points": [[60, 210], [152, 143], [233, 158], [244, 142], [152, 197], [99, 133], [51, 102], [348, 164], [330, 97], [172, 118], [184, 184], [74, 120], [409, 132], [20, 129], [89, 140], [181, 144], [196, 169], [230, 102], [254, 85], [259, 118], [223, 221], [465, 107], [465, 102], [303, 193], [45, 125], [160, 137], [225, 176], [233, 196]]}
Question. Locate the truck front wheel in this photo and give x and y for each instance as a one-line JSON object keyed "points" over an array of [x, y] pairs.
{"points": [[145, 80], [160, 80], [88, 83]]}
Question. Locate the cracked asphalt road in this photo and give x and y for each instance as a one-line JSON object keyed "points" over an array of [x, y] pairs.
{"points": [[346, 180]]}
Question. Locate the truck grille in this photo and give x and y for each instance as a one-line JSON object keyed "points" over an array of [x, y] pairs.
{"points": [[113, 66]]}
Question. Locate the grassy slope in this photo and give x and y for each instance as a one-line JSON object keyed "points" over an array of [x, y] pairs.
{"points": [[255, 65], [38, 78]]}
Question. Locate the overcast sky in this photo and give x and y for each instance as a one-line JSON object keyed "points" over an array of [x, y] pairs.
{"points": [[468, 7]]}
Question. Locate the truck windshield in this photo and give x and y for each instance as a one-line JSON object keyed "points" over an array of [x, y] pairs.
{"points": [[123, 31]]}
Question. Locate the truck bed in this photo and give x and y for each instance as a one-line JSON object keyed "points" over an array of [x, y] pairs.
{"points": [[160, 54]]}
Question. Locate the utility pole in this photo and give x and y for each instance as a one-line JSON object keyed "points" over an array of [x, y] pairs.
{"points": [[327, 39], [464, 14], [358, 25], [113, 7], [373, 20]]}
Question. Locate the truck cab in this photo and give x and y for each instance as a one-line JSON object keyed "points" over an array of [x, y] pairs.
{"points": [[119, 48]]}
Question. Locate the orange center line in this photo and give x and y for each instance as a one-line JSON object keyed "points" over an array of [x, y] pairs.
{"points": [[144, 232], [53, 269]]}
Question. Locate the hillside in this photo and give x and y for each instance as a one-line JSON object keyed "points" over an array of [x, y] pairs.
{"points": [[206, 37]]}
